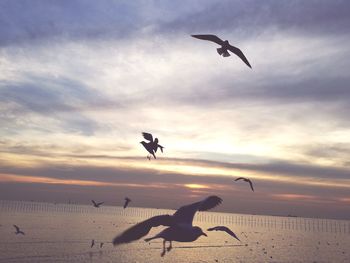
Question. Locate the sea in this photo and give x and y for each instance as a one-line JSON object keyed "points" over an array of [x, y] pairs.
{"points": [[64, 233]]}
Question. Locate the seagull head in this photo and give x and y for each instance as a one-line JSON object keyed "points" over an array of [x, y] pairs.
{"points": [[198, 231], [156, 140]]}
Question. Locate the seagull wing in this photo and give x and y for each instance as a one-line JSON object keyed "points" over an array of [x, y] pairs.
{"points": [[225, 229], [100, 203], [17, 228], [240, 54], [246, 180], [212, 38], [159, 146], [94, 202], [185, 214], [147, 136], [141, 229], [251, 185], [126, 203]]}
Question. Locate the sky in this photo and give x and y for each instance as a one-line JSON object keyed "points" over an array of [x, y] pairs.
{"points": [[80, 80]]}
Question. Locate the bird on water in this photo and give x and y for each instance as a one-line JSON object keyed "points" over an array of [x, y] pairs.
{"points": [[18, 230]]}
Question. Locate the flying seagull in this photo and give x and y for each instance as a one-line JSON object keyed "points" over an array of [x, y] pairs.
{"points": [[151, 146], [224, 228], [246, 180], [92, 243], [179, 225], [127, 201], [225, 47], [18, 231], [97, 205]]}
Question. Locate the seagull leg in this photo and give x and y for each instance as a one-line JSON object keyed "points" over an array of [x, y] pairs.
{"points": [[170, 246], [163, 253]]}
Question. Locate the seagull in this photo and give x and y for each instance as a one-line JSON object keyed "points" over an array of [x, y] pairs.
{"points": [[225, 46], [92, 242], [179, 225], [18, 231], [151, 146], [246, 180], [127, 201], [224, 228], [97, 205]]}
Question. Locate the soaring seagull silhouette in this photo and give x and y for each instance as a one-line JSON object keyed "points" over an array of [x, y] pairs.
{"points": [[127, 201], [97, 205], [179, 224], [225, 46], [151, 146], [246, 180], [224, 228], [18, 231]]}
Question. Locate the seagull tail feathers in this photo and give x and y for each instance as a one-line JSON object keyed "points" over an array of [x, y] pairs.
{"points": [[220, 51]]}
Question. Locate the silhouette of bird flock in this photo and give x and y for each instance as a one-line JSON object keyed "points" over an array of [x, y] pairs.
{"points": [[179, 225]]}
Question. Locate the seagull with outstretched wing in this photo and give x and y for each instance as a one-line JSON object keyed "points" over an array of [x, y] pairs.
{"points": [[246, 180], [97, 205], [152, 145], [225, 229], [225, 47], [179, 225], [18, 230]]}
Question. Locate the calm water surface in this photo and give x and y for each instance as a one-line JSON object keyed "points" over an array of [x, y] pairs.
{"points": [[63, 233]]}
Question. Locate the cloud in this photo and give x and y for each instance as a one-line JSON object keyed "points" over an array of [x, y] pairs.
{"points": [[174, 170], [66, 20], [59, 102], [79, 20], [249, 18], [152, 188]]}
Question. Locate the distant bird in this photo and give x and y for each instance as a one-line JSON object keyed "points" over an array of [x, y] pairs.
{"points": [[225, 229], [101, 244], [246, 180], [225, 47], [18, 231], [92, 243], [179, 224], [97, 205], [127, 201], [151, 146]]}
